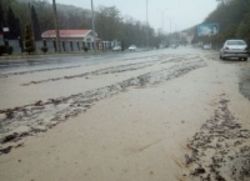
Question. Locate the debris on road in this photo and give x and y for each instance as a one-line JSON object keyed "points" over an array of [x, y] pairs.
{"points": [[43, 115], [221, 149]]}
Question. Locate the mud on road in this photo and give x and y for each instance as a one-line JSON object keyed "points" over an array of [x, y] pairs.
{"points": [[218, 151], [221, 150], [42, 115]]}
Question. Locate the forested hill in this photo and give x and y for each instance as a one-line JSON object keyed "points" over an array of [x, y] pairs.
{"points": [[110, 24], [234, 21]]}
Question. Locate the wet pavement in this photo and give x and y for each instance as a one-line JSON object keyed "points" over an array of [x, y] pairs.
{"points": [[55, 62]]}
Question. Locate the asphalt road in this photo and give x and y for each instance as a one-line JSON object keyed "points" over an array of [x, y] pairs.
{"points": [[80, 60]]}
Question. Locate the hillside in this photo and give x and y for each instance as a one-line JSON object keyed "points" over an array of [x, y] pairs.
{"points": [[233, 18], [110, 24]]}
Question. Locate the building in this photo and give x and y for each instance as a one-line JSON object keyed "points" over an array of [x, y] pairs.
{"points": [[68, 38]]}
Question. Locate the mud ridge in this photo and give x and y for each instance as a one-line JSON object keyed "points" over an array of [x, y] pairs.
{"points": [[116, 69], [34, 71], [40, 116], [67, 67], [109, 70], [220, 151], [181, 59]]}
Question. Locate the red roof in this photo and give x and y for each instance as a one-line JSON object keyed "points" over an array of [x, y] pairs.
{"points": [[66, 33]]}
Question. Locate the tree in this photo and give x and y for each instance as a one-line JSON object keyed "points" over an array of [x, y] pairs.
{"points": [[29, 42], [244, 29], [231, 25], [110, 24], [13, 24], [1, 16], [36, 24]]}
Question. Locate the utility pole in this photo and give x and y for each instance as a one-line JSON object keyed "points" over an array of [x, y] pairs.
{"points": [[93, 22], [147, 23], [162, 11], [32, 27], [170, 21], [58, 46], [176, 31]]}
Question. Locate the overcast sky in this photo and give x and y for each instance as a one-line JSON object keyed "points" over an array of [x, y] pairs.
{"points": [[186, 13]]}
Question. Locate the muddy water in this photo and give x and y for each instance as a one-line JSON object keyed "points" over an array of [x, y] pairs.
{"points": [[14, 94], [130, 125], [42, 115]]}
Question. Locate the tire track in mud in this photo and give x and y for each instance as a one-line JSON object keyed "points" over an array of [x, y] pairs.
{"points": [[40, 116], [181, 59], [40, 70], [5, 75], [220, 151], [109, 70], [117, 69]]}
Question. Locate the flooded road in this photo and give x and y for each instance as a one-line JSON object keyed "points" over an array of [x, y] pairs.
{"points": [[61, 61], [172, 114]]}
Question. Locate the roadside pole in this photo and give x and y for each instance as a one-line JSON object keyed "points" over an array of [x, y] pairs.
{"points": [[32, 27], [147, 24], [93, 23], [58, 46]]}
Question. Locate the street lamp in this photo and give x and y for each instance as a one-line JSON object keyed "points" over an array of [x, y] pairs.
{"points": [[162, 11], [147, 23], [170, 21], [176, 32]]}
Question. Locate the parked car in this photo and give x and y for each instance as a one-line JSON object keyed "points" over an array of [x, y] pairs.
{"points": [[117, 48], [234, 49], [206, 47], [132, 48], [174, 46]]}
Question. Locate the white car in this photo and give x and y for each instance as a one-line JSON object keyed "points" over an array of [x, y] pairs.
{"points": [[206, 47], [234, 49], [117, 48], [132, 48], [174, 46]]}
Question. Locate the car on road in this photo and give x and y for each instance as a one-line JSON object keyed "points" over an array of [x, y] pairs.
{"points": [[206, 47], [174, 46], [117, 48], [234, 49], [132, 48]]}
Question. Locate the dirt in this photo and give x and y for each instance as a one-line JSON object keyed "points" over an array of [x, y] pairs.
{"points": [[5, 75], [155, 117], [117, 69], [244, 85], [220, 151], [43, 115]]}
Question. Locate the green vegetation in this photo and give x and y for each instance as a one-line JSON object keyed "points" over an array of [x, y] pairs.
{"points": [[85, 48], [234, 21], [36, 24], [110, 24], [29, 43], [6, 50], [44, 49]]}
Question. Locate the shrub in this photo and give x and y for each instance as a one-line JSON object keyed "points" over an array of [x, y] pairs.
{"points": [[2, 49], [6, 50], [85, 48], [29, 43], [44, 49], [9, 50]]}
